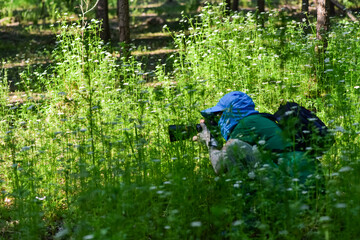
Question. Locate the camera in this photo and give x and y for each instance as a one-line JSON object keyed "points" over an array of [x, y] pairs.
{"points": [[182, 132]]}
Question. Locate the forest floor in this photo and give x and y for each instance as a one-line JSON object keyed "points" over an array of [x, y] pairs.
{"points": [[25, 45], [28, 46]]}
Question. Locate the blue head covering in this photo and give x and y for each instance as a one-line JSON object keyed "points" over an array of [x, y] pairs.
{"points": [[234, 106]]}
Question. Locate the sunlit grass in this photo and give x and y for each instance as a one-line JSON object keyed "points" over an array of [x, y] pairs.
{"points": [[92, 158]]}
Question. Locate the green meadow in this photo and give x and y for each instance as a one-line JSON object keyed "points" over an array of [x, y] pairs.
{"points": [[86, 153]]}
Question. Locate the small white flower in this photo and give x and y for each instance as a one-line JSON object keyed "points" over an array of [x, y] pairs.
{"points": [[238, 223], [25, 148], [304, 207], [339, 129], [325, 219], [345, 169], [340, 205], [88, 237], [251, 175], [289, 112], [283, 232], [196, 224]]}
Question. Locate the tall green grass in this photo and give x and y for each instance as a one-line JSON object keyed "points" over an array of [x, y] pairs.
{"points": [[92, 158]]}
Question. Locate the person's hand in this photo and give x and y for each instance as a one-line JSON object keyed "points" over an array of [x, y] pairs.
{"points": [[204, 136]]}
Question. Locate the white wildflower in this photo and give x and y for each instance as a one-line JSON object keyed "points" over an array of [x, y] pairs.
{"points": [[345, 169], [196, 224], [325, 219], [251, 175], [340, 205], [87, 237], [237, 223]]}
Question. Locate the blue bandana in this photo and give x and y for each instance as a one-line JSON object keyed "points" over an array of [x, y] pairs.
{"points": [[234, 106]]}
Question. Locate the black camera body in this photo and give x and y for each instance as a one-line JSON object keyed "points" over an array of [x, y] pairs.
{"points": [[182, 132]]}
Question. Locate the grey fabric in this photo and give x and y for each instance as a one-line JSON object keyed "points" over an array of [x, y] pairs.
{"points": [[235, 154]]}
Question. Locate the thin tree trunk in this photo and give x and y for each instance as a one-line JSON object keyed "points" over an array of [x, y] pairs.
{"points": [[305, 7], [322, 21], [124, 21], [102, 15], [227, 5], [260, 9], [235, 5], [331, 8], [261, 5], [305, 14], [43, 11]]}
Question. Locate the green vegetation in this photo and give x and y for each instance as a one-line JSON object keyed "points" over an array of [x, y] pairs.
{"points": [[86, 154]]}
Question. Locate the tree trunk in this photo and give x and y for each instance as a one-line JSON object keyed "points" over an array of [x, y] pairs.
{"points": [[43, 11], [124, 21], [102, 15], [227, 5], [322, 21], [260, 9], [261, 5], [305, 14], [331, 8], [305, 7], [235, 5]]}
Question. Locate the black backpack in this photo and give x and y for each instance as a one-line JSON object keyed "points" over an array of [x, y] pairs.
{"points": [[303, 127]]}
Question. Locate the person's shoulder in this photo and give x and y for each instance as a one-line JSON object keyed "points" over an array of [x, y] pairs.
{"points": [[260, 117]]}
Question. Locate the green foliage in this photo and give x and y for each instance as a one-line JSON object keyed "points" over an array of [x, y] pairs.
{"points": [[92, 158]]}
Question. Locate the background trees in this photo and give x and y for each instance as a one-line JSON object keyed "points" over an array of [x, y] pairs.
{"points": [[261, 5], [123, 20], [322, 21], [90, 157], [103, 16]]}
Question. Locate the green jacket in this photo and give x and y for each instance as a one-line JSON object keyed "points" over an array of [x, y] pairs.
{"points": [[257, 129], [265, 133]]}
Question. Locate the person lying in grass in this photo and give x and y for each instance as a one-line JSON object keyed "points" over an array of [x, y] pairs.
{"points": [[251, 139]]}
